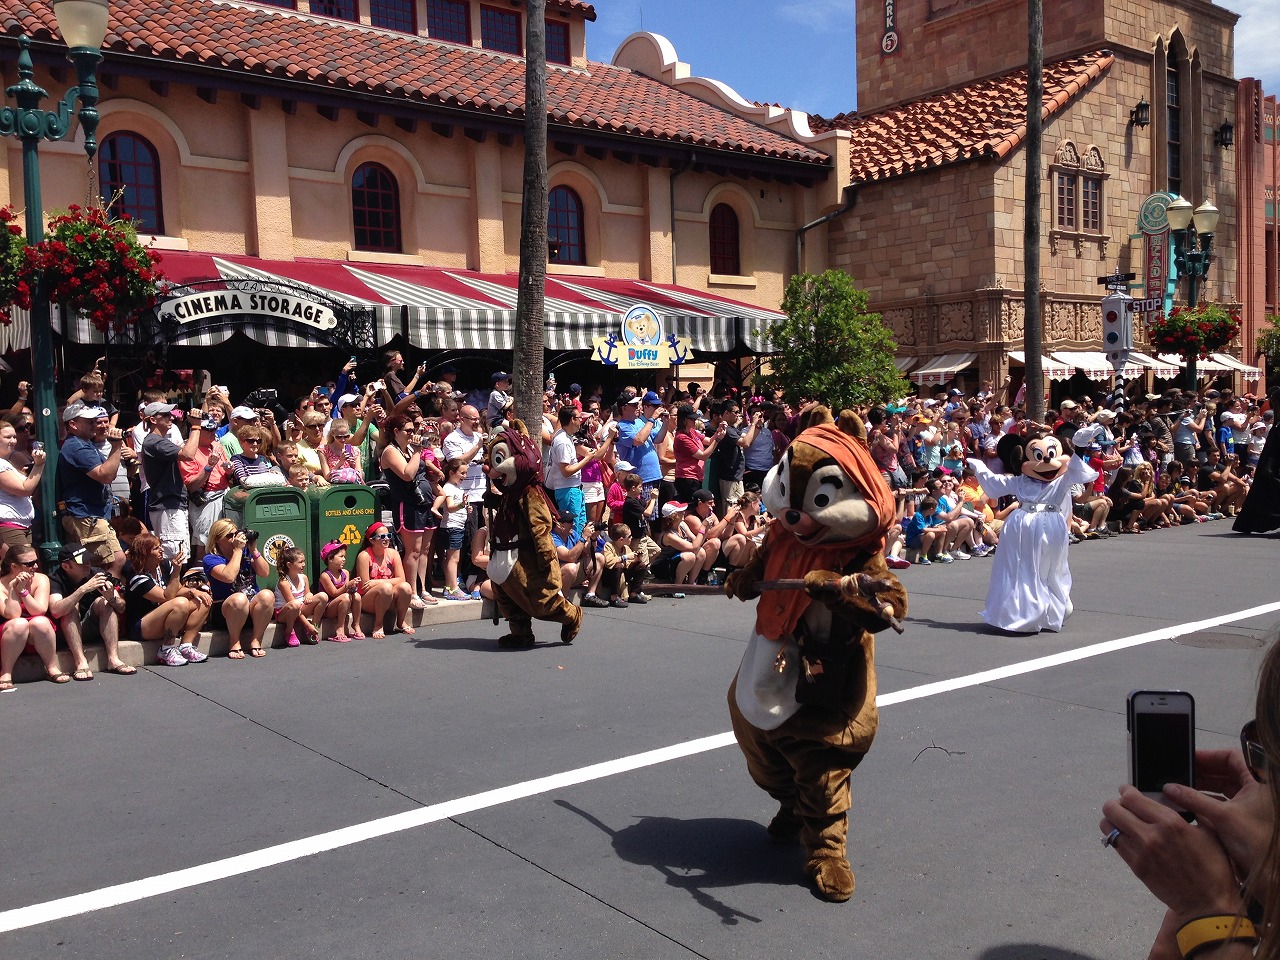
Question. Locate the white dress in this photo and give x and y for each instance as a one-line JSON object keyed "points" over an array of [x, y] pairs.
{"points": [[1030, 586]]}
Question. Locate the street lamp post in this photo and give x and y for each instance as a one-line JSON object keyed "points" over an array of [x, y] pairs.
{"points": [[83, 24], [1192, 254]]}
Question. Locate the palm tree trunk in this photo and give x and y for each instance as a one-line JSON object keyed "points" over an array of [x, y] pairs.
{"points": [[527, 368]]}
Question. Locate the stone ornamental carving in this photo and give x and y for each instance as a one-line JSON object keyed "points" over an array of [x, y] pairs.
{"points": [[1091, 323], [1060, 321], [1012, 316], [899, 321], [1093, 160], [955, 322], [1067, 155], [982, 319]]}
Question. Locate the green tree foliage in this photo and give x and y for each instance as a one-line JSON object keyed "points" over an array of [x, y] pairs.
{"points": [[1268, 343], [830, 348]]}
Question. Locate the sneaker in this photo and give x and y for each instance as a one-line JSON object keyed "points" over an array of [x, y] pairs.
{"points": [[293, 640], [922, 562], [958, 554], [591, 600], [170, 657], [475, 594], [191, 654], [980, 550], [944, 558], [897, 563], [619, 603], [453, 593], [640, 598]]}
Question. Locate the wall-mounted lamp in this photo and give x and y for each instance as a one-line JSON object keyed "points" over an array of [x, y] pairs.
{"points": [[1140, 115], [1225, 135]]}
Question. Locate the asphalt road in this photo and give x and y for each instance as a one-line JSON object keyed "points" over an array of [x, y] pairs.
{"points": [[985, 847]]}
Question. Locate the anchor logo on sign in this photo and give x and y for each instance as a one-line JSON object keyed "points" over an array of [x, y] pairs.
{"points": [[605, 348]]}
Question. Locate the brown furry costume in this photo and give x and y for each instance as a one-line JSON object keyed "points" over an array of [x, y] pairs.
{"points": [[803, 703], [523, 568]]}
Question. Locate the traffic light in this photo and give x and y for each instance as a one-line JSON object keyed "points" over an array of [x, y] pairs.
{"points": [[1117, 329]]}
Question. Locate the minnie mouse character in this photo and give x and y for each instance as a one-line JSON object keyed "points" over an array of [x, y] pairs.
{"points": [[1030, 586]]}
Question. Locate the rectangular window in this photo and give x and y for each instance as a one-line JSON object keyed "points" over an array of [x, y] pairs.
{"points": [[287, 4], [500, 30], [393, 15], [1066, 201], [1091, 205], [1173, 115], [558, 42], [339, 9], [449, 20]]}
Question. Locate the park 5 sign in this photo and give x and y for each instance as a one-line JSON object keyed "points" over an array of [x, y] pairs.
{"points": [[640, 343]]}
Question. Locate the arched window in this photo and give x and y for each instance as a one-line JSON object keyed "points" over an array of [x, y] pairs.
{"points": [[131, 177], [564, 227], [723, 230], [1173, 123], [375, 209]]}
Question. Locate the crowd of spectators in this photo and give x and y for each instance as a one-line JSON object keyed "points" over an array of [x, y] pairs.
{"points": [[648, 487]]}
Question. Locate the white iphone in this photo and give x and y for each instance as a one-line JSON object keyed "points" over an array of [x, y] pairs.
{"points": [[1162, 740]]}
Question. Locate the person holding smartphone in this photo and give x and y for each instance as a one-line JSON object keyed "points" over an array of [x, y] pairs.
{"points": [[1195, 869]]}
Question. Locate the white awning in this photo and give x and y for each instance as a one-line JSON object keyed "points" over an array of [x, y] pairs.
{"points": [[1162, 368], [903, 363], [1202, 366], [942, 369], [1094, 364], [1052, 370], [1250, 373]]}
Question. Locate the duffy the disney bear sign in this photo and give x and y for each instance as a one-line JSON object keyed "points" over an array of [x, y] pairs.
{"points": [[803, 703]]}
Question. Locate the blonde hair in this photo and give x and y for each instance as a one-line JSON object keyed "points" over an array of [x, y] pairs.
{"points": [[221, 528]]}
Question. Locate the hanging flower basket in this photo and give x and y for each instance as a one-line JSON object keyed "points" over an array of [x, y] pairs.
{"points": [[15, 291], [1193, 332], [95, 265]]}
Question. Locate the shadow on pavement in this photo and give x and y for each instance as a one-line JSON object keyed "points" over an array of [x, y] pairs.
{"points": [[704, 855], [1031, 951], [974, 626]]}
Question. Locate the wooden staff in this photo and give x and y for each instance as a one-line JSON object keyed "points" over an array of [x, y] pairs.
{"points": [[847, 586]]}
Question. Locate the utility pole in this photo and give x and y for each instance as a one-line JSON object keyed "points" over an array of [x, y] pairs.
{"points": [[527, 369], [1033, 330]]}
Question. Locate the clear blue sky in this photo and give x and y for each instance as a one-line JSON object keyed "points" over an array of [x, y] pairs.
{"points": [[800, 53]]}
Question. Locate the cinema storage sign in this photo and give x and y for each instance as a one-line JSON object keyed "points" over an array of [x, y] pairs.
{"points": [[244, 300]]}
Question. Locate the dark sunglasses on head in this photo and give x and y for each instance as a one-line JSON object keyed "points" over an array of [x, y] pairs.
{"points": [[1255, 757]]}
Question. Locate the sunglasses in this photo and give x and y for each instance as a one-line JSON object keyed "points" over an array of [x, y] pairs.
{"points": [[250, 443], [340, 436], [1255, 757], [381, 536], [29, 564]]}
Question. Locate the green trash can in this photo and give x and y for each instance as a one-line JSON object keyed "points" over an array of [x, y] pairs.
{"points": [[278, 514], [339, 512]]}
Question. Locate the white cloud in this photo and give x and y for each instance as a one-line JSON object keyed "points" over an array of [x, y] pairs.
{"points": [[1257, 40]]}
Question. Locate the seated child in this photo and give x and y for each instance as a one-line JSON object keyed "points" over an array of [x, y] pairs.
{"points": [[625, 566], [924, 530]]}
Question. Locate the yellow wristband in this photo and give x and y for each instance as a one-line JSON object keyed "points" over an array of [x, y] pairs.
{"points": [[1211, 931]]}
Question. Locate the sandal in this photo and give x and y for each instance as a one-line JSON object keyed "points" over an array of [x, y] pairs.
{"points": [[83, 673], [58, 677], [257, 651], [122, 669], [235, 653], [428, 599], [6, 686]]}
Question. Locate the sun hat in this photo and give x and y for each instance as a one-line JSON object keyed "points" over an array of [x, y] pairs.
{"points": [[672, 507], [245, 413]]}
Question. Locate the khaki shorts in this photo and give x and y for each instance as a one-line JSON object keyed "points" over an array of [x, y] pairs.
{"points": [[15, 536], [96, 535]]}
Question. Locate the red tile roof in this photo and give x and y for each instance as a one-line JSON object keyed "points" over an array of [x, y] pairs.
{"points": [[575, 6], [274, 43], [987, 118]]}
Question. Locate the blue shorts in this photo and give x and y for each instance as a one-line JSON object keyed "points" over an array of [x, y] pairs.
{"points": [[456, 536]]}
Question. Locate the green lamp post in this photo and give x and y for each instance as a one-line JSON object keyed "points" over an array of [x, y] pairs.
{"points": [[1192, 254], [83, 24]]}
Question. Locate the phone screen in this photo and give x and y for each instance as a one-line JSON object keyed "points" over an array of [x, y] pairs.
{"points": [[1162, 750]]}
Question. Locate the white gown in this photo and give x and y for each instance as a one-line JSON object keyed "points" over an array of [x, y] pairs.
{"points": [[1030, 586]]}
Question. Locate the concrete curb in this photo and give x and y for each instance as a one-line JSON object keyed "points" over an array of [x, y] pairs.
{"points": [[216, 643]]}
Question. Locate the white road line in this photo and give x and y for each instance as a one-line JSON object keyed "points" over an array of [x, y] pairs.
{"points": [[114, 896]]}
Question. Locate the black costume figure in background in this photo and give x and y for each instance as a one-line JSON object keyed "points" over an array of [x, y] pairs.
{"points": [[1261, 510]]}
